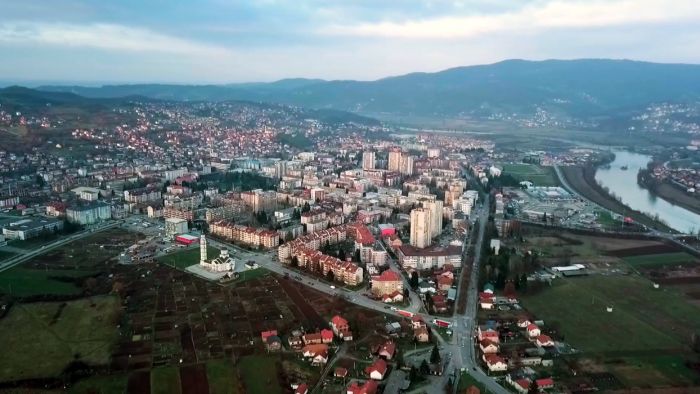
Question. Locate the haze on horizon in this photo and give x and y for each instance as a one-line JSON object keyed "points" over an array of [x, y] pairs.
{"points": [[219, 41]]}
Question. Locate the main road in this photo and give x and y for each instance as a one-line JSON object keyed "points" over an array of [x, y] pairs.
{"points": [[7, 264]]}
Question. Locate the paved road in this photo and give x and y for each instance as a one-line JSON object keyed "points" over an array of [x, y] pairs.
{"points": [[7, 264]]}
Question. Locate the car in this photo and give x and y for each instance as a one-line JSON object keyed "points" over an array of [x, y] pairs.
{"points": [[332, 287]]}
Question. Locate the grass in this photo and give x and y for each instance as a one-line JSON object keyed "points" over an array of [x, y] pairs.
{"points": [[644, 320], [260, 375], [42, 346], [24, 282], [185, 258], [165, 380], [540, 176], [4, 255], [252, 274], [466, 381], [110, 384], [662, 370], [222, 377], [660, 260]]}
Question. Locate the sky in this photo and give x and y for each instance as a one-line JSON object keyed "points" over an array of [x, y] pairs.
{"points": [[227, 41]]}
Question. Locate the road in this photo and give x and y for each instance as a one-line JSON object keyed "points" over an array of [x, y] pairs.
{"points": [[7, 264]]}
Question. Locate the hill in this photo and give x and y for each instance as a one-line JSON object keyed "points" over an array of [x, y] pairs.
{"points": [[585, 89]]}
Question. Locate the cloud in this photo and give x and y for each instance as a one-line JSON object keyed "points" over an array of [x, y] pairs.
{"points": [[538, 16], [112, 37]]}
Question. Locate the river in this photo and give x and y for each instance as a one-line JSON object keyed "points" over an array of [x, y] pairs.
{"points": [[623, 183]]}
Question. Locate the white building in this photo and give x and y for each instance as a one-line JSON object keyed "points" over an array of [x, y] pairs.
{"points": [[435, 208], [175, 226], [368, 160], [223, 263], [421, 225]]}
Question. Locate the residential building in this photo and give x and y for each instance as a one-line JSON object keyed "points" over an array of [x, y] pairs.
{"points": [[368, 160], [29, 228], [175, 226], [88, 213], [388, 282], [421, 225]]}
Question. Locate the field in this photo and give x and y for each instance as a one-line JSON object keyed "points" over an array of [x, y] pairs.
{"points": [[109, 384], [40, 339], [540, 176], [260, 374], [223, 377], [644, 320], [165, 380], [660, 260], [185, 258]]}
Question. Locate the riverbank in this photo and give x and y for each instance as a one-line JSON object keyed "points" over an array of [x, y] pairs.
{"points": [[582, 180], [673, 194]]}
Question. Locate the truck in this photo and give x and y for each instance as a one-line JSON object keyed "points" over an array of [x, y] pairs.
{"points": [[442, 323], [405, 313]]}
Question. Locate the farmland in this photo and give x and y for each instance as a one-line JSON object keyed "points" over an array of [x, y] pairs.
{"points": [[540, 176], [661, 260]]}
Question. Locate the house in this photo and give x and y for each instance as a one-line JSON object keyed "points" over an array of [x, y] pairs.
{"points": [[486, 300], [340, 372], [302, 389], [266, 334], [317, 354], [377, 370], [395, 296], [326, 336], [417, 322], [495, 363], [387, 350], [533, 331], [341, 328], [313, 338], [439, 303], [273, 343], [544, 341], [369, 387], [444, 282], [488, 333], [421, 335], [523, 323], [489, 288], [488, 347], [295, 342], [545, 384]]}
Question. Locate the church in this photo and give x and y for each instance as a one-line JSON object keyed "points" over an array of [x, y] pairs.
{"points": [[223, 263]]}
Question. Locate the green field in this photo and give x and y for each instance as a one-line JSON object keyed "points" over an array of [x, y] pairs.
{"points": [[252, 274], [43, 339], [222, 377], [644, 320], [165, 380], [260, 374], [110, 384], [23, 282], [185, 258], [540, 176], [660, 260]]}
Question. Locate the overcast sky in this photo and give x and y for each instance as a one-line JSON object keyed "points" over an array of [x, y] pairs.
{"points": [[220, 41]]}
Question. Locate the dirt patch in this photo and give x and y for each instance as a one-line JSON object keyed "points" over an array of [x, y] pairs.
{"points": [[644, 250], [193, 379], [139, 383]]}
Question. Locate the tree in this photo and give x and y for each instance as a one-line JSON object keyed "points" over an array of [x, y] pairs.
{"points": [[40, 181], [330, 276], [357, 258], [296, 215], [414, 279], [413, 374], [424, 368], [533, 389], [509, 290], [400, 362], [295, 261], [306, 207], [435, 355]]}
